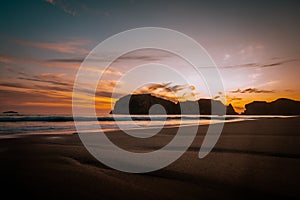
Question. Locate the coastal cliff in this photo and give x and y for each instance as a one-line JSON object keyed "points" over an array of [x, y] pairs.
{"points": [[141, 104], [280, 106]]}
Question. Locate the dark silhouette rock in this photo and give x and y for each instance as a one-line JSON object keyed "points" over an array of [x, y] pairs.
{"points": [[205, 106], [189, 108], [280, 106], [230, 110], [141, 104]]}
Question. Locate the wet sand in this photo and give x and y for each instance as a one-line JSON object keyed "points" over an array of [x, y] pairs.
{"points": [[252, 159]]}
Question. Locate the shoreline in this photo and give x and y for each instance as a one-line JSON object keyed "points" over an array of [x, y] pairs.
{"points": [[205, 123]]}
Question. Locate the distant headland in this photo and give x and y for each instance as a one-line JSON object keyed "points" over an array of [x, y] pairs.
{"points": [[280, 106], [10, 112], [140, 104]]}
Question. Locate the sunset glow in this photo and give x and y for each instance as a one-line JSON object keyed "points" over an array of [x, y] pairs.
{"points": [[258, 58]]}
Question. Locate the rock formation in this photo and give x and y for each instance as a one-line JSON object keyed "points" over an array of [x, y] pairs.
{"points": [[141, 104], [280, 106]]}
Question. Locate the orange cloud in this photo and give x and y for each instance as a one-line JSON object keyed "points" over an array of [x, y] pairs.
{"points": [[50, 75], [57, 64], [34, 62], [170, 92], [7, 60], [74, 47], [47, 104]]}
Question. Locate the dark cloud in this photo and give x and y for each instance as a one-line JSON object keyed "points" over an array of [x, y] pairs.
{"points": [[57, 84], [289, 90], [18, 96], [165, 87], [105, 58], [78, 60], [67, 88], [259, 65], [67, 60], [98, 93], [141, 57], [280, 63], [248, 65], [152, 58], [108, 94], [9, 97], [45, 81], [55, 88], [233, 98], [252, 90], [54, 82], [16, 85]]}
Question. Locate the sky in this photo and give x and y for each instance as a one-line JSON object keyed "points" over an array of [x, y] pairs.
{"points": [[255, 45]]}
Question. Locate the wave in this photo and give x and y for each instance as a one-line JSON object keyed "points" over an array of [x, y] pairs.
{"points": [[107, 118], [33, 128]]}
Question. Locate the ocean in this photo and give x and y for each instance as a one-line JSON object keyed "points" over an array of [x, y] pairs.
{"points": [[64, 124]]}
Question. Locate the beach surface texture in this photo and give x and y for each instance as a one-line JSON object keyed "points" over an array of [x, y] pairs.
{"points": [[252, 159]]}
